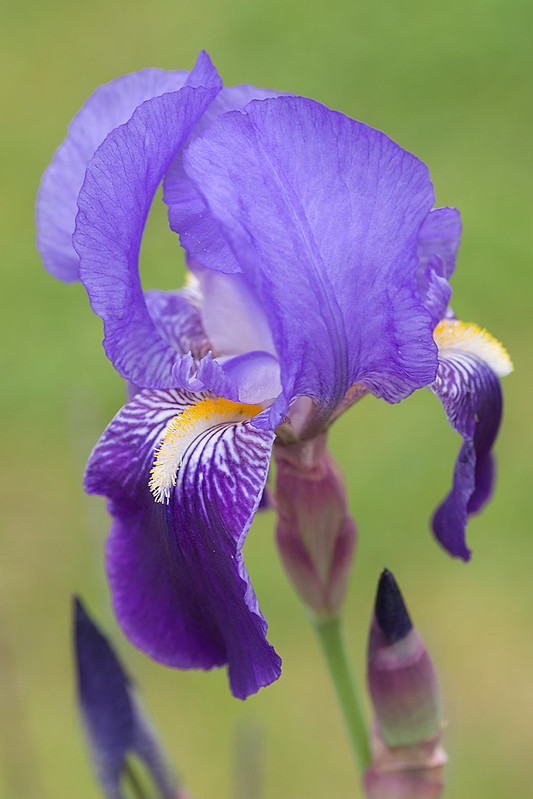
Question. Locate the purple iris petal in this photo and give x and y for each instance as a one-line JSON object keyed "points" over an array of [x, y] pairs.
{"points": [[249, 378], [199, 233], [119, 186], [180, 588], [205, 375], [115, 724], [471, 396], [255, 375], [322, 214], [438, 243], [109, 106], [177, 320], [233, 316]]}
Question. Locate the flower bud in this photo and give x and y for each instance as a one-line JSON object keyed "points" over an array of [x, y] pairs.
{"points": [[401, 678], [315, 533], [407, 758], [117, 729]]}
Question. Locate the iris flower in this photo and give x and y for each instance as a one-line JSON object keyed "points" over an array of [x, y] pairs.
{"points": [[319, 273]]}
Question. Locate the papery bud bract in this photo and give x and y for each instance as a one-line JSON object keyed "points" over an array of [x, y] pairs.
{"points": [[115, 724], [414, 772], [315, 532]]}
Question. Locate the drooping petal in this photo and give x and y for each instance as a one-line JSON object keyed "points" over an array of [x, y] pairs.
{"points": [[467, 384], [120, 182], [109, 106], [322, 215], [438, 243], [115, 724], [180, 588]]}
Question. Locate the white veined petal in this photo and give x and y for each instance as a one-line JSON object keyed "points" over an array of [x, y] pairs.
{"points": [[181, 432]]}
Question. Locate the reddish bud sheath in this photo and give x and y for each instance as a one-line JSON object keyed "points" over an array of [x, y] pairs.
{"points": [[315, 533]]}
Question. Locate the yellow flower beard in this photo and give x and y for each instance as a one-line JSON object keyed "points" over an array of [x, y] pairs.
{"points": [[183, 429], [451, 334]]}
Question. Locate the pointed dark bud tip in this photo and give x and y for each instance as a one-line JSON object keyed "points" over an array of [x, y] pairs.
{"points": [[80, 614], [84, 627], [391, 613]]}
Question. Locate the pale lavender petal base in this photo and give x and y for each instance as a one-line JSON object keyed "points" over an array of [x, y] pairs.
{"points": [[471, 396]]}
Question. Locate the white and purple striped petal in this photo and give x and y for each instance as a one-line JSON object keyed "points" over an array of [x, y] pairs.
{"points": [[180, 588], [322, 215], [468, 385]]}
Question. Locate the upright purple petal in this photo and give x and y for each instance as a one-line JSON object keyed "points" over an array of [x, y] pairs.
{"points": [[121, 180], [180, 588], [467, 384], [322, 215], [188, 214], [109, 106]]}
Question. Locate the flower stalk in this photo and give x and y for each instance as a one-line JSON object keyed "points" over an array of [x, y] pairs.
{"points": [[330, 636], [316, 538]]}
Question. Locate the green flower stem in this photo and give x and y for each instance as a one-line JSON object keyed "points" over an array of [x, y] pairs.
{"points": [[332, 642]]}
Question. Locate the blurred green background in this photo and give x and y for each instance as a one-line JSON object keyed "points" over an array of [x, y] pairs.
{"points": [[452, 83]]}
